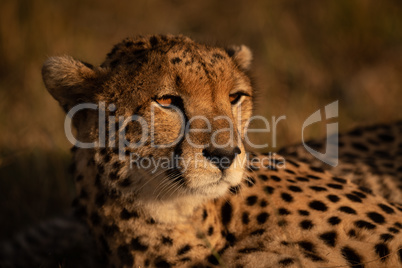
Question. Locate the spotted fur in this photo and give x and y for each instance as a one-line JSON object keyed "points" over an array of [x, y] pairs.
{"points": [[268, 212]]}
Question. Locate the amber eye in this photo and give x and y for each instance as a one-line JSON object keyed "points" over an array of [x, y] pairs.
{"points": [[165, 101], [234, 98], [169, 101]]}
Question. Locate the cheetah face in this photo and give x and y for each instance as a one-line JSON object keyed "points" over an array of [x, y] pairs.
{"points": [[175, 114]]}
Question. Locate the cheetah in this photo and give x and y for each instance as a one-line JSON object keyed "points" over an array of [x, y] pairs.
{"points": [[206, 205]]}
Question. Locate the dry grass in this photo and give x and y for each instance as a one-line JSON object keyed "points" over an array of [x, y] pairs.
{"points": [[307, 54]]}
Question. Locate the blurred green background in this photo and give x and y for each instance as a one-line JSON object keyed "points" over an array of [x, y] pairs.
{"points": [[307, 54]]}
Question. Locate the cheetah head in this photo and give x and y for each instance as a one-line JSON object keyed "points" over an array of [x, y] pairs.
{"points": [[171, 113]]}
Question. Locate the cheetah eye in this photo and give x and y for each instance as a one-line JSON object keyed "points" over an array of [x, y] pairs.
{"points": [[167, 101], [235, 97]]}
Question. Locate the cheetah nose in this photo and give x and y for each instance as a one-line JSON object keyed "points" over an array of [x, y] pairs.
{"points": [[221, 157]]}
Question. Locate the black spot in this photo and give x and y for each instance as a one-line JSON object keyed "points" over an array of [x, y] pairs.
{"points": [[356, 132], [213, 260], [283, 211], [166, 240], [386, 237], [313, 257], [365, 189], [183, 250], [347, 210], [258, 232], [125, 214], [226, 213], [340, 180], [386, 209], [307, 246], [393, 230], [400, 254], [360, 146], [318, 188], [292, 163], [124, 255], [359, 194], [306, 224], [329, 238], [382, 251], [290, 171], [113, 193], [376, 217], [364, 224], [268, 189], [245, 218], [286, 262], [251, 200], [235, 189], [334, 220], [114, 63], [137, 245], [229, 237], [161, 263], [250, 181], [335, 186], [313, 177], [175, 60], [125, 183], [354, 198], [304, 212], [302, 179], [262, 217], [113, 175], [352, 233], [204, 214], [317, 169], [116, 165], [100, 199], [295, 188], [178, 81], [153, 41], [275, 178], [398, 224], [95, 218], [386, 138], [150, 221], [287, 197], [352, 257], [263, 203], [79, 178], [210, 230], [263, 177], [318, 205], [248, 250]]}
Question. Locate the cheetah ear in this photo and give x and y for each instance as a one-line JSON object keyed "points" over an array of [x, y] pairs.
{"points": [[242, 55], [70, 81]]}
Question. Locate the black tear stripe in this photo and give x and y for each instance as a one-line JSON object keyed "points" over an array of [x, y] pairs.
{"points": [[175, 171]]}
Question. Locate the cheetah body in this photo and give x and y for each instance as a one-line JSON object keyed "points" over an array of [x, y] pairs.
{"points": [[267, 212]]}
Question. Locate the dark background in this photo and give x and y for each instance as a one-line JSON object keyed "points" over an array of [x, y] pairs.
{"points": [[307, 54]]}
